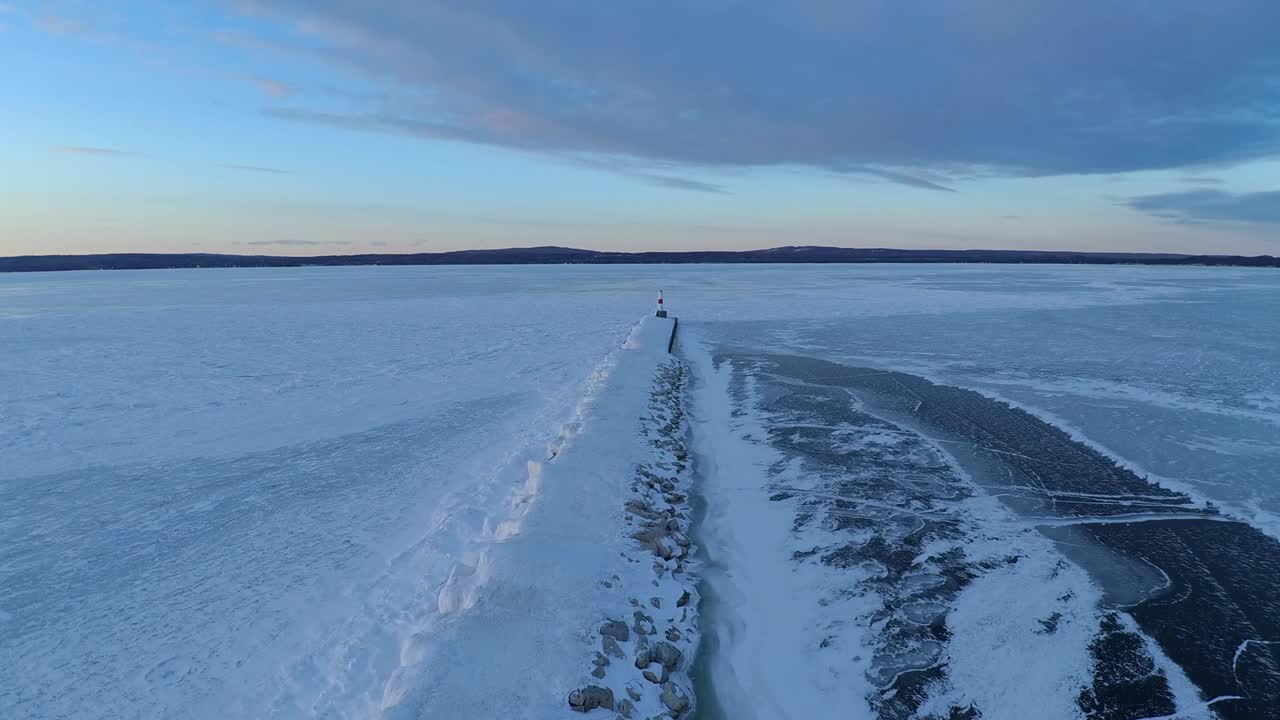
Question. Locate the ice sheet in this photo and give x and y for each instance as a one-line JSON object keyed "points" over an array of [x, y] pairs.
{"points": [[256, 492], [246, 493]]}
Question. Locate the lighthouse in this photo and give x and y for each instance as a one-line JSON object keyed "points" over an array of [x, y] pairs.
{"points": [[662, 311]]}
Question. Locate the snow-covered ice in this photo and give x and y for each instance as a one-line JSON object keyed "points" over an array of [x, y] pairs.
{"points": [[252, 493], [401, 492]]}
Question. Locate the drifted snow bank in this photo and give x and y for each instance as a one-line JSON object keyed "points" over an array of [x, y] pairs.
{"points": [[589, 601]]}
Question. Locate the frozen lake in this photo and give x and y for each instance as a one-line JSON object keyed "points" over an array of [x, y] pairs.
{"points": [[1174, 370], [236, 494], [239, 492]]}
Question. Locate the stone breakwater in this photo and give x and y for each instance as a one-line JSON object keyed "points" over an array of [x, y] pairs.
{"points": [[646, 647]]}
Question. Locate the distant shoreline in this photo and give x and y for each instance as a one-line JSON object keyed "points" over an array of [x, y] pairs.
{"points": [[571, 256]]}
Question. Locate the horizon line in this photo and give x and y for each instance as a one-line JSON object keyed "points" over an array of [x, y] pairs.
{"points": [[565, 248]]}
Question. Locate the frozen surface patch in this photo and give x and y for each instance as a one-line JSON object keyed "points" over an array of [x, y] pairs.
{"points": [[866, 576], [1020, 632]]}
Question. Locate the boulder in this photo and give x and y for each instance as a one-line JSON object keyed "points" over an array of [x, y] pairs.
{"points": [[664, 548], [674, 698], [657, 678], [591, 697], [611, 647], [667, 654], [645, 626], [617, 630], [642, 509]]}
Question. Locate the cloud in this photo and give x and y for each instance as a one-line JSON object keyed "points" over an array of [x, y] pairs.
{"points": [[680, 183], [904, 177], [87, 150], [641, 170], [55, 25], [904, 90], [297, 243], [111, 152], [1193, 206], [256, 169], [273, 88], [654, 173]]}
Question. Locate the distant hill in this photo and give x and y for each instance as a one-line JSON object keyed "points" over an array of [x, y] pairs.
{"points": [[559, 255]]}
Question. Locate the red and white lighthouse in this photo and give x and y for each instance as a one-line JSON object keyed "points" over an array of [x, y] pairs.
{"points": [[662, 311]]}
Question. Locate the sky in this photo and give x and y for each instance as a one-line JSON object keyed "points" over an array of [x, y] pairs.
{"points": [[302, 127]]}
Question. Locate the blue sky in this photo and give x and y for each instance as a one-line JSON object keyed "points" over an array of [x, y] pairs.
{"points": [[336, 126]]}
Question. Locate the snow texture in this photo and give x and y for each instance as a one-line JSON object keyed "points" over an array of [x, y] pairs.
{"points": [[536, 602], [268, 493], [403, 492]]}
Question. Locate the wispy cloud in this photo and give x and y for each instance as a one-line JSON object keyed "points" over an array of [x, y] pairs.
{"points": [[87, 150], [298, 243], [72, 27], [652, 172], [91, 151], [1197, 206], [639, 168], [680, 183], [255, 168], [272, 88], [246, 41], [903, 177], [55, 25]]}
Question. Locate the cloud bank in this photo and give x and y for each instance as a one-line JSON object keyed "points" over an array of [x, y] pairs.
{"points": [[1212, 205], [920, 93]]}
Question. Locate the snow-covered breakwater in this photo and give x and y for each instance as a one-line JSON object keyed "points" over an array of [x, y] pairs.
{"points": [[648, 652], [592, 603]]}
